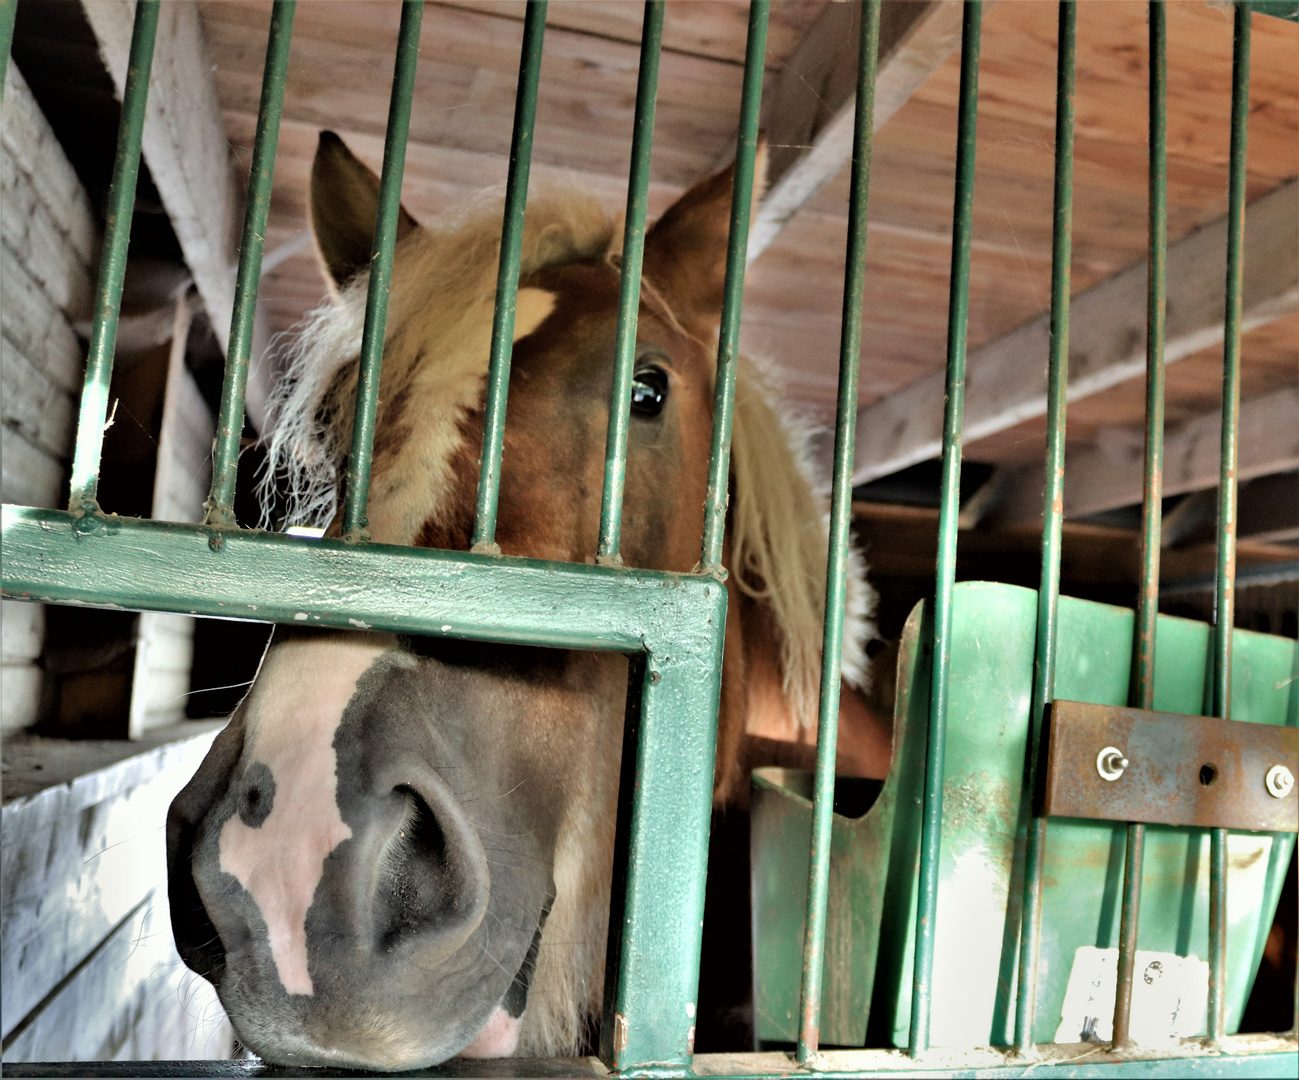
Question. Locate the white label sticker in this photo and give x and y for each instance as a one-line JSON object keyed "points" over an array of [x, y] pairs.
{"points": [[1170, 997]]}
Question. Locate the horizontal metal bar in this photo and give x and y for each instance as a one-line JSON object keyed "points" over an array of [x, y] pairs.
{"points": [[1114, 763], [106, 561], [1253, 1055]]}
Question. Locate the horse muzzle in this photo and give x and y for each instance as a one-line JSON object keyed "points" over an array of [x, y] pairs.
{"points": [[379, 925]]}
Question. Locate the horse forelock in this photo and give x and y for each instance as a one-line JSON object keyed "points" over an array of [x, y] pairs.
{"points": [[436, 353]]}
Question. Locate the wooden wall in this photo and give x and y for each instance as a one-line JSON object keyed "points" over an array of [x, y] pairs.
{"points": [[48, 245], [87, 962]]}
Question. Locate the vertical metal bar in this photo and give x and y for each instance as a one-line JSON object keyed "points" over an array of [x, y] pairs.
{"points": [[1142, 691], [1048, 594], [8, 12], [633, 251], [507, 279], [1225, 584], [112, 262], [953, 413], [728, 347], [376, 301], [230, 422], [836, 576]]}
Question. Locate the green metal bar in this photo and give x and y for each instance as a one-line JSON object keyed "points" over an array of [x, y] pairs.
{"points": [[8, 12], [1225, 591], [836, 575], [376, 301], [1048, 593], [633, 252], [112, 261], [728, 348], [507, 279], [676, 622], [953, 414], [60, 557], [1142, 692], [230, 421]]}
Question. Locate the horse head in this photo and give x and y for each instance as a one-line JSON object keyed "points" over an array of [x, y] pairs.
{"points": [[400, 849]]}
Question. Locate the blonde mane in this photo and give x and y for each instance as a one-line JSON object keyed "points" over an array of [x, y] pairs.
{"points": [[778, 518]]}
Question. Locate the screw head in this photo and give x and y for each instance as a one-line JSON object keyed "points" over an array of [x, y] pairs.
{"points": [[1110, 763], [1279, 781]]}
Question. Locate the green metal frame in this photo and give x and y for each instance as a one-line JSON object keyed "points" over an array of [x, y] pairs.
{"points": [[672, 624]]}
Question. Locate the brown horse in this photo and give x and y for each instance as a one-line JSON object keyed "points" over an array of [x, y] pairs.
{"points": [[400, 849]]}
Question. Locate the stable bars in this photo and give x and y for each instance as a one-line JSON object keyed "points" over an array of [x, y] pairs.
{"points": [[635, 991]]}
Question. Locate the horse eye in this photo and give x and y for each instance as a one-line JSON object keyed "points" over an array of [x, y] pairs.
{"points": [[649, 391]]}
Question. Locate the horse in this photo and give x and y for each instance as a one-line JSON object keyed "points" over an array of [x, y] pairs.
{"points": [[400, 849]]}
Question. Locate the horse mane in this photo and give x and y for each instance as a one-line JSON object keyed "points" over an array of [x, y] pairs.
{"points": [[778, 517]]}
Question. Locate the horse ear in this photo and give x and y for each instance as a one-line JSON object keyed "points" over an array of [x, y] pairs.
{"points": [[685, 251], [344, 202]]}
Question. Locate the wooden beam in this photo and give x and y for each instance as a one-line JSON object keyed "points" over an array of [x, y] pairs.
{"points": [[188, 154], [1097, 478], [1268, 509], [1006, 380], [809, 116]]}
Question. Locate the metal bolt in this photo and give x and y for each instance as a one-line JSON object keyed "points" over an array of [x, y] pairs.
{"points": [[1279, 781], [1110, 763]]}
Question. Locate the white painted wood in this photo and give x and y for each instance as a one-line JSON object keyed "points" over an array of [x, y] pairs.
{"points": [[40, 242], [37, 327], [1006, 380], [75, 860], [20, 695], [809, 117], [132, 999], [22, 628], [31, 404], [29, 142], [1104, 477], [165, 643], [29, 476], [184, 142]]}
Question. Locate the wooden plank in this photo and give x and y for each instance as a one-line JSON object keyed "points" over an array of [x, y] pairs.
{"points": [[20, 695], [29, 476], [33, 405], [1006, 380], [809, 117], [40, 242], [164, 646], [22, 628], [1104, 477], [714, 29], [29, 142], [75, 860], [1268, 508], [131, 999], [40, 331], [184, 143], [22, 632]]}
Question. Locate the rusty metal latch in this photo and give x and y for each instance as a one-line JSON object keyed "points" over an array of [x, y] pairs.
{"points": [[1121, 764]]}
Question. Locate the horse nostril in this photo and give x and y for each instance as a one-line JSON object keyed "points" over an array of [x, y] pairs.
{"points": [[431, 883]]}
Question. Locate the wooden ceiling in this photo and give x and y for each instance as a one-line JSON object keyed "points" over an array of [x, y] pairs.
{"points": [[340, 76]]}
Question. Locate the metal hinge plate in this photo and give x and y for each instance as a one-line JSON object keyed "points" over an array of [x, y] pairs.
{"points": [[1121, 764]]}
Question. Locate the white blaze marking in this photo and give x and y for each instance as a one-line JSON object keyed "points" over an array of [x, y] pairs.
{"points": [[302, 690]]}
